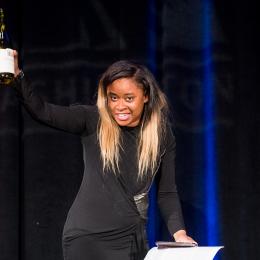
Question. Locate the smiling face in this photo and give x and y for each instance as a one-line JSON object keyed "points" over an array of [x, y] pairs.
{"points": [[126, 101]]}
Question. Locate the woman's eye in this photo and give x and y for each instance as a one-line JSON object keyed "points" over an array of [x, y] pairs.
{"points": [[113, 98], [129, 99]]}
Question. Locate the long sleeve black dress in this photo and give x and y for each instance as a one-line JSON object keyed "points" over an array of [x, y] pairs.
{"points": [[106, 221]]}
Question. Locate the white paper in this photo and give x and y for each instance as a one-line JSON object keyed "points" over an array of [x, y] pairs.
{"points": [[190, 253]]}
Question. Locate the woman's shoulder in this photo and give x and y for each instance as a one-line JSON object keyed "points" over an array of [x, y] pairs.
{"points": [[88, 113], [169, 129], [168, 140]]}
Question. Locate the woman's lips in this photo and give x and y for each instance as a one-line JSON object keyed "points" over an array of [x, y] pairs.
{"points": [[122, 116]]}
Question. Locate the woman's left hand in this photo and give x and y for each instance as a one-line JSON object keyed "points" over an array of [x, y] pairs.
{"points": [[181, 236]]}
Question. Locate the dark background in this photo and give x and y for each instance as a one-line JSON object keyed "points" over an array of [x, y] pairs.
{"points": [[64, 46]]}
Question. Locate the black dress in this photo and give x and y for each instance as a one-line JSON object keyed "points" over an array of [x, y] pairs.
{"points": [[106, 220]]}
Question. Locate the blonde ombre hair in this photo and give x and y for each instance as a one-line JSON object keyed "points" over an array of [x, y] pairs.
{"points": [[152, 124]]}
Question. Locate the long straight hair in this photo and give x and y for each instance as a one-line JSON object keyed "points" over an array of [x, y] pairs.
{"points": [[152, 124]]}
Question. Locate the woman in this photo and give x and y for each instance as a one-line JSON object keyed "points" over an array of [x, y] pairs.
{"points": [[126, 141]]}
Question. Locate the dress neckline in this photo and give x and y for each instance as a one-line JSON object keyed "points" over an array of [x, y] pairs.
{"points": [[131, 128]]}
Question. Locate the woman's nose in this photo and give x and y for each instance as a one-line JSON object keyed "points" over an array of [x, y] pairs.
{"points": [[121, 104]]}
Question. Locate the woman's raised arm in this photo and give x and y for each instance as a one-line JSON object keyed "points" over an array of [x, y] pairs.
{"points": [[75, 118]]}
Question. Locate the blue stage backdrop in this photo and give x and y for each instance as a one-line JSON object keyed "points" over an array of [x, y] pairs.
{"points": [[205, 111]]}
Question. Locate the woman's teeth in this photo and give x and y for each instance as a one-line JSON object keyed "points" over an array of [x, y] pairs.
{"points": [[123, 116]]}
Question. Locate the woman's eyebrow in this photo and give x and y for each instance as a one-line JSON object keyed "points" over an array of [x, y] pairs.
{"points": [[112, 93], [126, 94]]}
